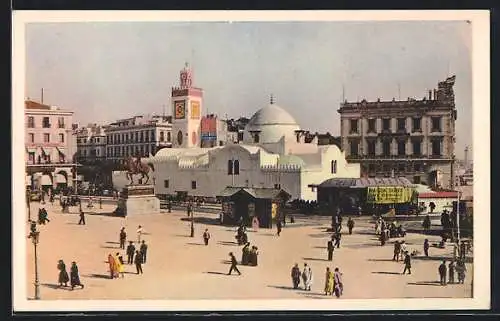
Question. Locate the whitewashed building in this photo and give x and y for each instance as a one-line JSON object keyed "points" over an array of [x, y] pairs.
{"points": [[91, 142], [273, 154]]}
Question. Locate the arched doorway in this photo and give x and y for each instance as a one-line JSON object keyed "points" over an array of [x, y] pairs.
{"points": [[61, 180], [46, 181]]}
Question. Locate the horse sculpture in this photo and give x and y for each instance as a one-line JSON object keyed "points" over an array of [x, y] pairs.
{"points": [[135, 167]]}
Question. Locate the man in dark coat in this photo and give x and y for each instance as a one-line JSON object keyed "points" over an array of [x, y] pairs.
{"points": [[338, 237], [426, 247], [330, 249], [206, 236], [74, 276], [144, 251], [397, 250], [278, 226], [82, 218], [123, 238], [130, 253], [350, 225], [442, 273], [451, 272], [234, 264], [407, 262], [138, 262]]}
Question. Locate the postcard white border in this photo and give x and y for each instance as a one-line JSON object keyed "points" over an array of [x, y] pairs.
{"points": [[481, 142]]}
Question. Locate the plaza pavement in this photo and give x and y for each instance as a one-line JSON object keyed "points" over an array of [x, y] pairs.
{"points": [[180, 267]]}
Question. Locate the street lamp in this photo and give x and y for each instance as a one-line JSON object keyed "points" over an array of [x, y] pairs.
{"points": [[192, 221], [35, 239], [28, 196]]}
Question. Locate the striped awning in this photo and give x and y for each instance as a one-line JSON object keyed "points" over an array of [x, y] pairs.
{"points": [[60, 178], [60, 150], [45, 180]]}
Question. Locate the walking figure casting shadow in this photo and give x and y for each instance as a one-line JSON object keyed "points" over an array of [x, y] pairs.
{"points": [[135, 167]]}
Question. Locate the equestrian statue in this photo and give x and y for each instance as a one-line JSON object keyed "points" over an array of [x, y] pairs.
{"points": [[135, 167]]}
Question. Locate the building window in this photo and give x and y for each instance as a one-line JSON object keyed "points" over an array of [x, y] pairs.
{"points": [[416, 179], [169, 137], [417, 167], [401, 148], [256, 138], [277, 186], [31, 122], [136, 137], [353, 126], [386, 124], [153, 149], [162, 137], [147, 150], [417, 124], [46, 138], [61, 138], [31, 137], [416, 148], [354, 148], [386, 148], [371, 147], [436, 148], [147, 136], [152, 135], [236, 167], [371, 168], [230, 167], [166, 183], [193, 184], [371, 126], [60, 122], [401, 168], [436, 124], [142, 137], [401, 124], [45, 122], [31, 157], [142, 150], [334, 167]]}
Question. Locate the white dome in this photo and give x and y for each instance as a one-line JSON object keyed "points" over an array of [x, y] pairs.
{"points": [[272, 122]]}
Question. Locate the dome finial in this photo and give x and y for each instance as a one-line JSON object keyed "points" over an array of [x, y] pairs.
{"points": [[272, 99]]}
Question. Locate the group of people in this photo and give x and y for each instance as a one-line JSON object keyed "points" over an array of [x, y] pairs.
{"points": [[241, 235], [137, 256], [333, 280], [459, 268], [249, 255], [73, 278], [43, 216]]}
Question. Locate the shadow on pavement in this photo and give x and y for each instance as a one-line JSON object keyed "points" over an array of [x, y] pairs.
{"points": [[56, 286], [97, 276], [319, 247], [110, 242], [182, 235], [314, 259], [439, 258], [109, 247], [431, 283], [191, 243], [282, 287], [381, 260], [219, 273], [227, 243], [202, 220], [382, 272]]}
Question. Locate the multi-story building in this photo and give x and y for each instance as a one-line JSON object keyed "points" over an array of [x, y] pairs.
{"points": [[91, 143], [49, 148], [412, 138], [214, 132], [137, 136]]}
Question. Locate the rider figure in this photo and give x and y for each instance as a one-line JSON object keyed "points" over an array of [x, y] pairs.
{"points": [[138, 163]]}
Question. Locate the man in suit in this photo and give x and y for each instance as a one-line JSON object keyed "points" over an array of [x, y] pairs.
{"points": [[234, 264], [144, 251], [130, 253]]}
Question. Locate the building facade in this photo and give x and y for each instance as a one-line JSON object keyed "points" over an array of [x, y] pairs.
{"points": [[49, 149], [91, 143], [137, 136], [214, 132], [413, 139]]}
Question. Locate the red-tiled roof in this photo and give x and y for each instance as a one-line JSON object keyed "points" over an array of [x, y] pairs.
{"points": [[438, 195], [29, 104]]}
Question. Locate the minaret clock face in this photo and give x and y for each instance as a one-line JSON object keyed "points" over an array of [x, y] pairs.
{"points": [[180, 109], [179, 137]]}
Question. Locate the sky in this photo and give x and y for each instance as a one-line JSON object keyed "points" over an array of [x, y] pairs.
{"points": [[105, 71]]}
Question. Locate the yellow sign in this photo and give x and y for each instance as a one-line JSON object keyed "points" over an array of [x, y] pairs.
{"points": [[195, 110], [274, 210], [389, 195], [180, 109]]}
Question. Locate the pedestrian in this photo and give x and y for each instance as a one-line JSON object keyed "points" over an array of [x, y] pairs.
{"points": [[382, 239], [407, 262], [338, 237], [139, 234], [189, 209], [442, 273], [337, 283], [245, 254], [234, 264], [278, 226], [350, 225], [461, 269], [123, 238], [119, 265], [403, 248], [330, 248], [295, 276], [100, 203], [75, 276], [328, 282], [462, 250], [255, 223], [63, 274], [206, 236], [307, 277], [82, 218], [451, 272], [130, 253], [138, 262], [426, 224], [426, 247], [144, 251], [113, 269], [397, 251]]}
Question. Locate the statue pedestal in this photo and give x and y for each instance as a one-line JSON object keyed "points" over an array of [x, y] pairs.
{"points": [[137, 200]]}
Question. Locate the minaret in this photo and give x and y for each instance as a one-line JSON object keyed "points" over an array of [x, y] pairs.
{"points": [[187, 103]]}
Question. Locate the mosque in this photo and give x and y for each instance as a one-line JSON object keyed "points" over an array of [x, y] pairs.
{"points": [[272, 154]]}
